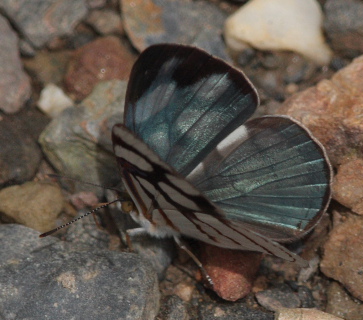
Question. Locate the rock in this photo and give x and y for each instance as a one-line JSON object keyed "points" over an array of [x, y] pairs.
{"points": [[341, 304], [279, 25], [53, 100], [33, 204], [343, 255], [96, 4], [172, 308], [47, 278], [279, 297], [344, 26], [15, 87], [279, 74], [86, 231], [105, 22], [20, 154], [159, 252], [78, 141], [304, 314], [48, 67], [348, 185], [298, 70], [26, 49], [306, 297], [101, 60], [235, 311], [332, 110], [231, 271], [39, 21], [179, 281], [148, 22], [184, 291]]}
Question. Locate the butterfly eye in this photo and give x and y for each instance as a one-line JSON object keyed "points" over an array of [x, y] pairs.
{"points": [[127, 206]]}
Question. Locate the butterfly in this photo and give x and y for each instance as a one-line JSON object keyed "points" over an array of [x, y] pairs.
{"points": [[194, 166]]}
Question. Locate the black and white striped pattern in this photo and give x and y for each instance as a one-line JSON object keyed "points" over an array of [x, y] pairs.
{"points": [[168, 205]]}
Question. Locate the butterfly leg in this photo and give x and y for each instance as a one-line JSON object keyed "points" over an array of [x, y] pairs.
{"points": [[205, 275]]}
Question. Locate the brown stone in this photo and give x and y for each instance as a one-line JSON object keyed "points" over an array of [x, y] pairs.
{"points": [[33, 204], [303, 314], [343, 255], [341, 304], [348, 185], [101, 60], [333, 111]]}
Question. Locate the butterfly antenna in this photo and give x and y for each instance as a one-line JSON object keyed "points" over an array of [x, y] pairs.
{"points": [[48, 233], [57, 176]]}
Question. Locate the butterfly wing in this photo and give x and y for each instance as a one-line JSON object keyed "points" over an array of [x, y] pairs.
{"points": [[175, 206], [269, 174], [187, 106], [181, 102]]}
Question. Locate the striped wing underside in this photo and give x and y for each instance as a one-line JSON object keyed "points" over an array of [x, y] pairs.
{"points": [[267, 176], [169, 200]]}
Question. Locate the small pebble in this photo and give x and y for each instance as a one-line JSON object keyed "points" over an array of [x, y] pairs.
{"points": [[277, 298], [53, 100], [184, 291], [231, 271], [304, 314], [33, 204]]}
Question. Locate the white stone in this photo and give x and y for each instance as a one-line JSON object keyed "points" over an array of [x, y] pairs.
{"points": [[294, 25], [53, 100]]}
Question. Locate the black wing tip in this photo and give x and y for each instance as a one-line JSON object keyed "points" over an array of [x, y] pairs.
{"points": [[169, 50]]}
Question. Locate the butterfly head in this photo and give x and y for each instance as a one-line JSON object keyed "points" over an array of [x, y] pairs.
{"points": [[128, 207]]}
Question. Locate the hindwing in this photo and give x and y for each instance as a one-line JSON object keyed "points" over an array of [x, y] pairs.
{"points": [[168, 200]]}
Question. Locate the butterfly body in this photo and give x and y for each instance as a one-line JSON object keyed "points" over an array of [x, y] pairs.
{"points": [[193, 166]]}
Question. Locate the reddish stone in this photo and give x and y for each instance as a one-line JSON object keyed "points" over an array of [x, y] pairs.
{"points": [[231, 271], [101, 60], [348, 185], [343, 255], [333, 111], [340, 303]]}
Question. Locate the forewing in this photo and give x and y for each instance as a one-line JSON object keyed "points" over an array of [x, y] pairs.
{"points": [[181, 102], [151, 182], [269, 175], [167, 199]]}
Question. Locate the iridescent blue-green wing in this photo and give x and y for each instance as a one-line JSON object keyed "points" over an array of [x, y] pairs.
{"points": [[269, 174], [181, 102], [168, 205]]}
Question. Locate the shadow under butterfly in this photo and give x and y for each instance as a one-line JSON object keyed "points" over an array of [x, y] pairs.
{"points": [[193, 166]]}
